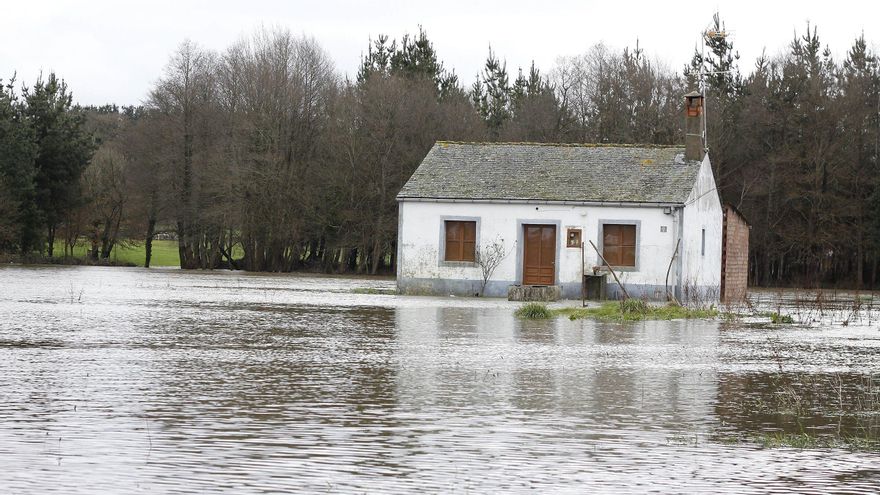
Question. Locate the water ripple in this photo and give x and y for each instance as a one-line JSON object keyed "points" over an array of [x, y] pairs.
{"points": [[125, 380]]}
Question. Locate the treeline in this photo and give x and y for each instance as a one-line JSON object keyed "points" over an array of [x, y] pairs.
{"points": [[264, 158], [265, 147], [795, 146]]}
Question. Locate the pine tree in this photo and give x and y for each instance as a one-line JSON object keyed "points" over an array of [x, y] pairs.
{"points": [[859, 99], [450, 87], [378, 59], [536, 112], [64, 150], [525, 88], [414, 58], [810, 146], [20, 220], [491, 95]]}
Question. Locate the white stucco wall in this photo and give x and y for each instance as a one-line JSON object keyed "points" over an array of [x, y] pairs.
{"points": [[420, 269], [701, 271]]}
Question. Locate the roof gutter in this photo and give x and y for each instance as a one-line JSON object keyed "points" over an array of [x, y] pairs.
{"points": [[631, 204]]}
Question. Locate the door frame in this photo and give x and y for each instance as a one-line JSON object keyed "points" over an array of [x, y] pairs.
{"points": [[521, 244]]}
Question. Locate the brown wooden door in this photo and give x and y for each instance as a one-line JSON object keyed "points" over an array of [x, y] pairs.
{"points": [[539, 256]]}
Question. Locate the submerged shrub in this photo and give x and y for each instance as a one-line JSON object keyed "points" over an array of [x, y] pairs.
{"points": [[533, 311]]}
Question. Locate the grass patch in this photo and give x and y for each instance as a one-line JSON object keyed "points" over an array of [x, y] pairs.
{"points": [[533, 311], [634, 306], [165, 253], [637, 310], [373, 291]]}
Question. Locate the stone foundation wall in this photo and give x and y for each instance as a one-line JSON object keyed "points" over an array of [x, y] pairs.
{"points": [[499, 288], [543, 293]]}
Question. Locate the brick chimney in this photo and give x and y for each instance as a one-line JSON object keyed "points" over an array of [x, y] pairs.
{"points": [[694, 144]]}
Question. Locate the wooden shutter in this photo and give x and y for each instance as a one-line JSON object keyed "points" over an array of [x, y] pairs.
{"points": [[469, 241], [619, 244], [461, 240]]}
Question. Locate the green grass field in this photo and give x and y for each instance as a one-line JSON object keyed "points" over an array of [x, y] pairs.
{"points": [[164, 253]]}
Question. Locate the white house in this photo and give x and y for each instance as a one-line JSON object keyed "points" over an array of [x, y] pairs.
{"points": [[542, 205]]}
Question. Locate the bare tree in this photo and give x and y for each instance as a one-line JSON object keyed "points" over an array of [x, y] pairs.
{"points": [[274, 93], [621, 97], [488, 257], [185, 99], [147, 177]]}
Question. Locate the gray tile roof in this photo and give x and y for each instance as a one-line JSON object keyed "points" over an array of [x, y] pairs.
{"points": [[553, 172]]}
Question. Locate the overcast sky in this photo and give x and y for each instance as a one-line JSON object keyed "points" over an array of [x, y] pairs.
{"points": [[114, 50]]}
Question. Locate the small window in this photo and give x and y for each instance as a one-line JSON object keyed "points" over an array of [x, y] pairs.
{"points": [[703, 244], [619, 244], [573, 239], [461, 240]]}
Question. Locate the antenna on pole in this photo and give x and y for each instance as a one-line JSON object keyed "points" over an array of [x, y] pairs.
{"points": [[712, 33]]}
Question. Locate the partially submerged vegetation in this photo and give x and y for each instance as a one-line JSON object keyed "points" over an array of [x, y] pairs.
{"points": [[784, 308], [810, 411], [777, 317], [627, 310], [777, 440], [534, 311], [808, 306], [638, 310]]}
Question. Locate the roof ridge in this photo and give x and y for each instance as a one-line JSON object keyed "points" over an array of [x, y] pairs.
{"points": [[563, 145]]}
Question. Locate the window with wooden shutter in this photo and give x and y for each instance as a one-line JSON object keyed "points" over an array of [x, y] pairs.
{"points": [[619, 244], [461, 240]]}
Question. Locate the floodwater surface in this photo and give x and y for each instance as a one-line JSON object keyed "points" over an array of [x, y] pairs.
{"points": [[167, 381]]}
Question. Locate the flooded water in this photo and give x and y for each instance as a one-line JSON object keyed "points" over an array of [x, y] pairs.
{"points": [[163, 381]]}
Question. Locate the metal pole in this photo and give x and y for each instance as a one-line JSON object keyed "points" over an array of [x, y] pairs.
{"points": [[583, 277], [625, 293], [669, 269]]}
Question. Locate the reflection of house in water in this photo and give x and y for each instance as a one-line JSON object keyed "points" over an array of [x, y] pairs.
{"points": [[644, 375]]}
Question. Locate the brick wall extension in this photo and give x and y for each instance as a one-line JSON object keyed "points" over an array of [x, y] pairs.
{"points": [[734, 256]]}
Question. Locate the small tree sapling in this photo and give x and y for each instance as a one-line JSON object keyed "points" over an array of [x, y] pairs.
{"points": [[488, 257]]}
